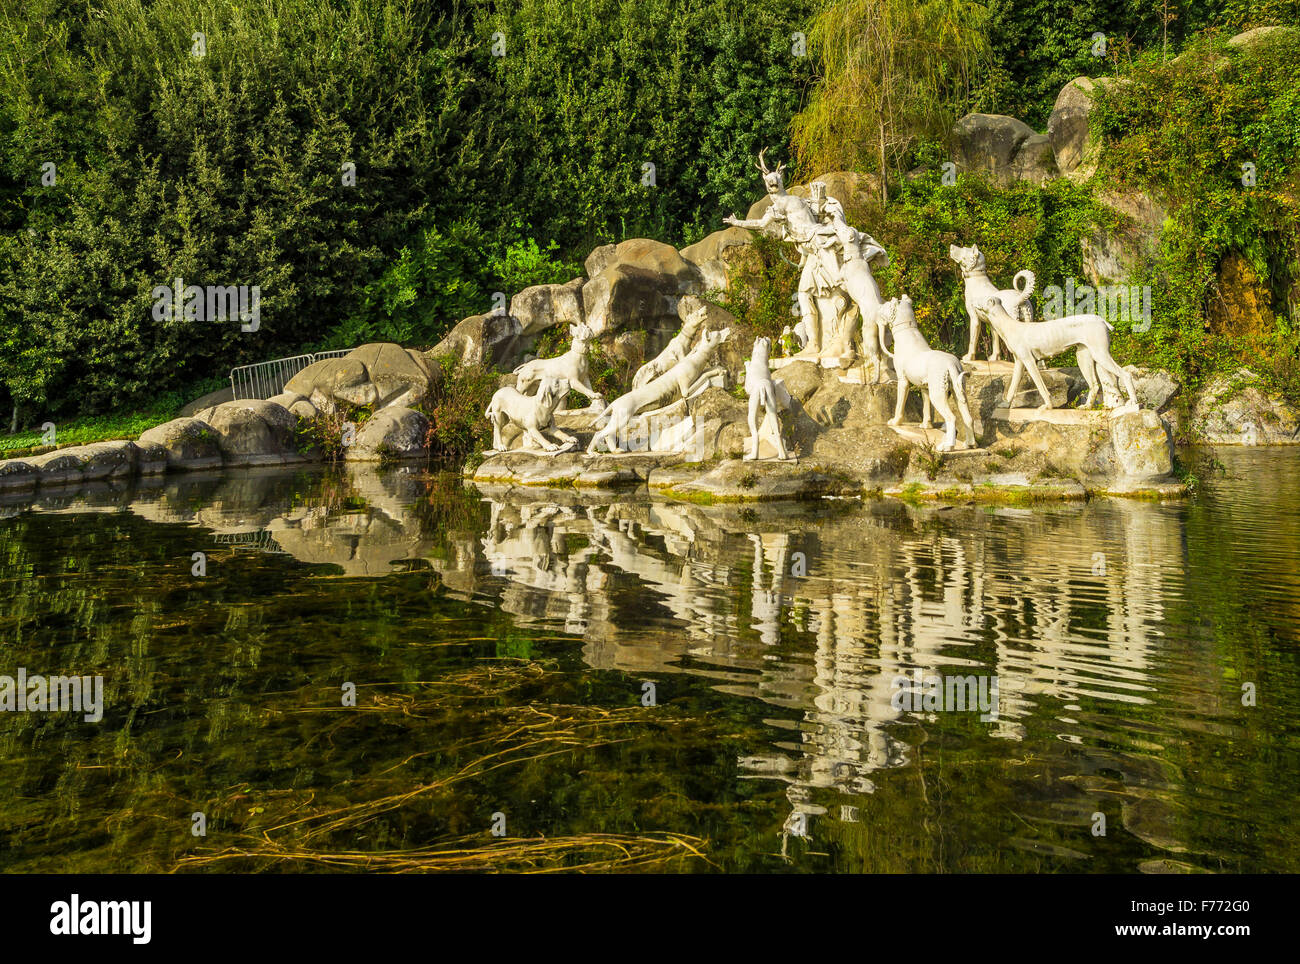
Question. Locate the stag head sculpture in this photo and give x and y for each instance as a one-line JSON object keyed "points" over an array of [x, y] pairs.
{"points": [[773, 179]]}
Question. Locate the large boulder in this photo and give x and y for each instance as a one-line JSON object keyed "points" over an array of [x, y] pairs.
{"points": [[493, 340], [394, 433], [400, 376], [545, 306], [1237, 409], [254, 432], [210, 400], [991, 144], [187, 443], [637, 287], [1035, 162], [1068, 125], [716, 255], [375, 375]]}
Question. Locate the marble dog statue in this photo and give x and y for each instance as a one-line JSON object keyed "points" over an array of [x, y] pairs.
{"points": [[675, 350], [767, 395], [571, 366], [979, 288], [932, 371], [533, 415], [678, 380], [1030, 341]]}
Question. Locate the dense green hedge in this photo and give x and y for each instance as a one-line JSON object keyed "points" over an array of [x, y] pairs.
{"points": [[227, 168]]}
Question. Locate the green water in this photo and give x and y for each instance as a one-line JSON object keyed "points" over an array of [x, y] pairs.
{"points": [[500, 646]]}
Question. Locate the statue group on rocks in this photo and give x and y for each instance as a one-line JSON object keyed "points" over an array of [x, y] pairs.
{"points": [[844, 323]]}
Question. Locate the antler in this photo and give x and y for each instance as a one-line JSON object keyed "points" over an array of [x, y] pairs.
{"points": [[762, 163]]}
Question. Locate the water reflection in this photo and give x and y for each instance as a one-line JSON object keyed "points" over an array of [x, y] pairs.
{"points": [[1118, 632]]}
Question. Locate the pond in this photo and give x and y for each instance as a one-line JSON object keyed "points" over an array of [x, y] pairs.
{"points": [[385, 670]]}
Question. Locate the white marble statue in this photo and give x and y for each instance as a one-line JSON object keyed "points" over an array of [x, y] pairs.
{"points": [[932, 371], [768, 396], [571, 366], [1030, 341], [675, 350], [678, 381], [531, 415], [837, 290], [979, 288]]}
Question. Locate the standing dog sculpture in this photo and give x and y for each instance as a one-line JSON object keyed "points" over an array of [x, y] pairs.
{"points": [[678, 380], [1028, 342], [979, 288], [571, 366], [768, 395], [533, 414], [930, 370]]}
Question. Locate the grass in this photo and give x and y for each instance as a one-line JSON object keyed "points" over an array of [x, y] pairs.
{"points": [[82, 431]]}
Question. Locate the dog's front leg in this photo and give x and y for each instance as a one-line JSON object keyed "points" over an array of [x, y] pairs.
{"points": [[974, 333], [1014, 385], [902, 400], [1039, 384], [753, 427]]}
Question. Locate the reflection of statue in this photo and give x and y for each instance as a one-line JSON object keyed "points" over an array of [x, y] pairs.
{"points": [[916, 363], [531, 415], [684, 379], [571, 366], [675, 350], [767, 395]]}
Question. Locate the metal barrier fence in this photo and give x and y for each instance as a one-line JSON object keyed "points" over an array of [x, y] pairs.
{"points": [[267, 379]]}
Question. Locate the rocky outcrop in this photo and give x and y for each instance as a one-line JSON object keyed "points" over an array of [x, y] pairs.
{"points": [[375, 375], [254, 432], [185, 443], [842, 446], [1001, 147], [636, 285], [1114, 256], [545, 306], [1237, 409], [717, 256], [394, 434], [494, 340]]}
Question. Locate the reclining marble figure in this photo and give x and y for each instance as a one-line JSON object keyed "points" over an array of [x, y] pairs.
{"points": [[676, 382], [932, 371], [571, 366], [979, 288], [676, 348], [1030, 341], [769, 396], [531, 415]]}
